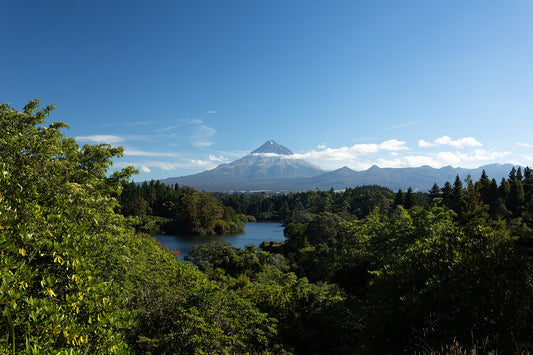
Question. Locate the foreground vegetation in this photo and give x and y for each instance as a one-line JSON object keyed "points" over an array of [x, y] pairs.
{"points": [[362, 271]]}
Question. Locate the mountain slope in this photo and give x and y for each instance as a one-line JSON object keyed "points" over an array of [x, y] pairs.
{"points": [[265, 168], [271, 147], [270, 168]]}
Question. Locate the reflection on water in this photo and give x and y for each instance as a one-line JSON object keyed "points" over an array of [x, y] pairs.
{"points": [[254, 234]]}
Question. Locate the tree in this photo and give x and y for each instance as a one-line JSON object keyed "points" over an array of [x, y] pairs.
{"points": [[399, 199], [483, 187], [447, 194], [55, 207], [74, 277], [454, 284], [516, 199], [409, 198], [457, 197], [434, 192]]}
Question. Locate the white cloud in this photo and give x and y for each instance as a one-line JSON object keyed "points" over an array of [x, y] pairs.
{"points": [[217, 159], [200, 162], [201, 136], [458, 143], [140, 153], [145, 169], [393, 145], [100, 138], [211, 112], [350, 153], [422, 143], [321, 146], [525, 145], [441, 159]]}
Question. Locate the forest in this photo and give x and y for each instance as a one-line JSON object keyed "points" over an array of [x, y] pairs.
{"points": [[365, 270]]}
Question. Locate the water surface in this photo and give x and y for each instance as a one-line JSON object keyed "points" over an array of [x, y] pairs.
{"points": [[254, 234]]}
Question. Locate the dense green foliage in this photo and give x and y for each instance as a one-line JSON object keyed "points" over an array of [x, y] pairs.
{"points": [[76, 279], [156, 207], [362, 271], [450, 269]]}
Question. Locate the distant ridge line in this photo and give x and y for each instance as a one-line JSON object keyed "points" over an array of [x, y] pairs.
{"points": [[265, 169]]}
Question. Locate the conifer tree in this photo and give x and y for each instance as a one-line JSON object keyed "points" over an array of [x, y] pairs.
{"points": [[447, 194], [519, 174], [409, 199], [399, 199], [483, 187], [516, 198], [458, 201], [434, 192]]}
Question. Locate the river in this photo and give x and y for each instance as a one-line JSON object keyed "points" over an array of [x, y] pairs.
{"points": [[254, 233]]}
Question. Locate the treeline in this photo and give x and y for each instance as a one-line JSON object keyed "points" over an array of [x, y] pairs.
{"points": [[155, 207], [352, 201], [512, 198]]}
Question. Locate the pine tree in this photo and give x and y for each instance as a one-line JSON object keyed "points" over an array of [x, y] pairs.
{"points": [[516, 199], [458, 201], [528, 185], [483, 187], [409, 199], [434, 192], [447, 194], [512, 174], [399, 199]]}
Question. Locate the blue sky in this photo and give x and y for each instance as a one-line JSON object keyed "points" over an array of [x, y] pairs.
{"points": [[186, 85]]}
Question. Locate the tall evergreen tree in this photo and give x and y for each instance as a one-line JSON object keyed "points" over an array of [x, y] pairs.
{"points": [[399, 199], [519, 174], [512, 174], [458, 201], [447, 194], [516, 199], [528, 184], [434, 192], [483, 187], [409, 199]]}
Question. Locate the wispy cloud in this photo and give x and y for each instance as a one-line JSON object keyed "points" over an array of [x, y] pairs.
{"points": [[141, 153], [525, 145], [211, 112], [140, 123], [201, 136], [403, 125], [445, 140], [144, 166], [181, 123], [100, 138]]}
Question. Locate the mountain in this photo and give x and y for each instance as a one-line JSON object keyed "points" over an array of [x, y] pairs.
{"points": [[272, 147], [420, 178], [266, 168], [270, 168]]}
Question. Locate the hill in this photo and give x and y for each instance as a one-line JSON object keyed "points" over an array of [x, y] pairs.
{"points": [[270, 168]]}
